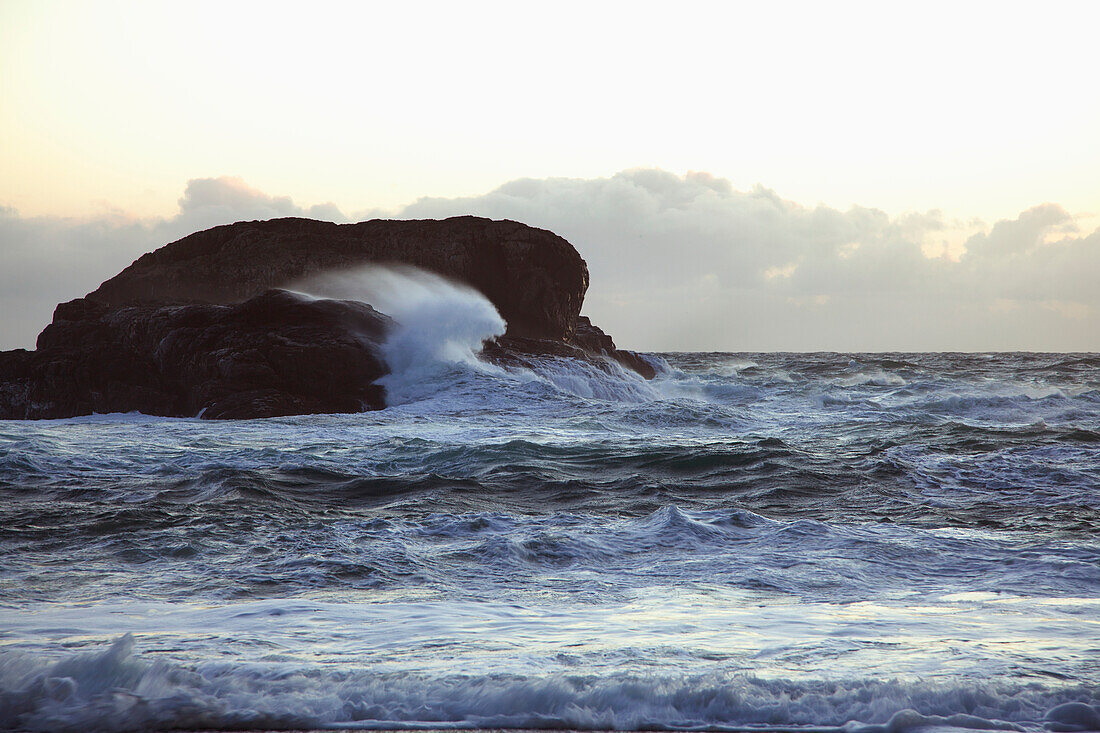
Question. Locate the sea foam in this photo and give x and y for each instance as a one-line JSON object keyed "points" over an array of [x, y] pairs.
{"points": [[114, 690], [759, 546]]}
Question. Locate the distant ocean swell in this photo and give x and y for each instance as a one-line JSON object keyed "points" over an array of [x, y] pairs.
{"points": [[253, 544]]}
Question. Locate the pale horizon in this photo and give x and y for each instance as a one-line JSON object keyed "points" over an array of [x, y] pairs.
{"points": [[790, 177]]}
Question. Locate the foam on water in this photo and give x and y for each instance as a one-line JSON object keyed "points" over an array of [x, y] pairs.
{"points": [[603, 380], [855, 543], [114, 690]]}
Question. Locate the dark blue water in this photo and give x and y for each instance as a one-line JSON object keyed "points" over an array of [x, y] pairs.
{"points": [[750, 540]]}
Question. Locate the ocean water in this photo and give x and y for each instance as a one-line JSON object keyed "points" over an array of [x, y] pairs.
{"points": [[865, 542]]}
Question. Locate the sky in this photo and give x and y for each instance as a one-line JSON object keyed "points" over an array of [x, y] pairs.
{"points": [[739, 176]]}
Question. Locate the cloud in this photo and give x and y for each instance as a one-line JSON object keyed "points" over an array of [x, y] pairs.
{"points": [[1022, 234], [679, 263], [798, 277], [47, 260], [208, 202]]}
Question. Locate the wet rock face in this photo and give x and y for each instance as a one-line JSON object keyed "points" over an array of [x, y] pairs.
{"points": [[589, 343], [536, 279], [274, 354], [592, 339]]}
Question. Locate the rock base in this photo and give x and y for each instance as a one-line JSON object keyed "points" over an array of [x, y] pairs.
{"points": [[275, 354]]}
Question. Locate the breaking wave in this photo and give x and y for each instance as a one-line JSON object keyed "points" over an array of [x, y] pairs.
{"points": [[441, 328], [441, 324], [114, 690], [855, 543]]}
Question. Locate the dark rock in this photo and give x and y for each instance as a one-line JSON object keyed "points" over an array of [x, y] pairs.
{"points": [[589, 344], [275, 354], [536, 279], [592, 339], [195, 326]]}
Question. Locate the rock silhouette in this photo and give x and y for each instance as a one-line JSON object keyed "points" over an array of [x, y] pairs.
{"points": [[536, 279], [200, 326], [275, 354]]}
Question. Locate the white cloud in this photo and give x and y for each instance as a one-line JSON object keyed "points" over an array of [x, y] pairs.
{"points": [[874, 281], [208, 202]]}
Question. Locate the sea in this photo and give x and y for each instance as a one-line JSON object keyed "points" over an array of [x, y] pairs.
{"points": [[865, 543]]}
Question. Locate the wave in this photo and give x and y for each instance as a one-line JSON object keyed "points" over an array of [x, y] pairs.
{"points": [[270, 551], [441, 328], [440, 323], [114, 690]]}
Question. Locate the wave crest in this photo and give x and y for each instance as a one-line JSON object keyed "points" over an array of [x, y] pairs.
{"points": [[115, 691]]}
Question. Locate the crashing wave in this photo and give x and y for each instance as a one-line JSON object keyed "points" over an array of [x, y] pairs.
{"points": [[114, 690]]}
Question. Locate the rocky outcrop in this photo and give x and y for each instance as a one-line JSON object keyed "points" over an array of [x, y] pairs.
{"points": [[590, 338], [195, 328], [274, 354], [588, 343], [536, 279]]}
